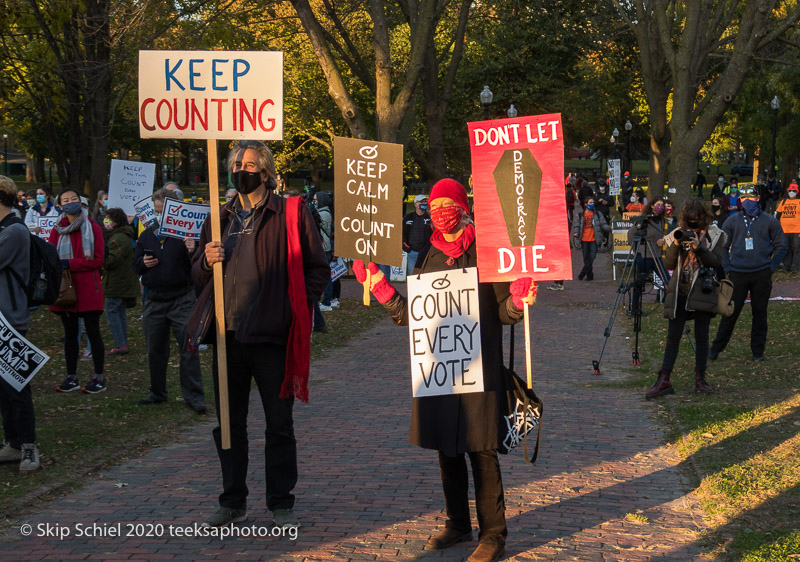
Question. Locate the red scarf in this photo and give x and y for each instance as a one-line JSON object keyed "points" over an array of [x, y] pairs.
{"points": [[455, 248], [298, 346]]}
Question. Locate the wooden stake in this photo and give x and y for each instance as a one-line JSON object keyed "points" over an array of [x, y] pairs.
{"points": [[219, 298], [528, 345], [366, 286]]}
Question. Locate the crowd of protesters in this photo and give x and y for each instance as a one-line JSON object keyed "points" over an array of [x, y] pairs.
{"points": [[746, 233]]}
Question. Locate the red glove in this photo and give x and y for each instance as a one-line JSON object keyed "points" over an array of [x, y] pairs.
{"points": [[379, 286], [523, 291]]}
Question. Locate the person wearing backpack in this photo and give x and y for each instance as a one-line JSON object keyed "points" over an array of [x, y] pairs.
{"points": [[81, 248], [16, 406]]}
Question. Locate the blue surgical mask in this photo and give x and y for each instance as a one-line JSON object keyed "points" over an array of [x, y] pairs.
{"points": [[41, 199], [590, 206], [73, 208], [423, 207]]}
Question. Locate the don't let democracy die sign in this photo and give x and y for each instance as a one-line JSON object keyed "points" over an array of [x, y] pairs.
{"points": [[445, 333], [521, 225]]}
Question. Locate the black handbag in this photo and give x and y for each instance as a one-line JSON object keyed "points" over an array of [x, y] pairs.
{"points": [[522, 413]]}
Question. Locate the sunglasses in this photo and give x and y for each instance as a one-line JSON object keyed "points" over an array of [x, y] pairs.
{"points": [[747, 194]]}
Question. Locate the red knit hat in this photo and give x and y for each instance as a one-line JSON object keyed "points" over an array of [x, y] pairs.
{"points": [[452, 189]]}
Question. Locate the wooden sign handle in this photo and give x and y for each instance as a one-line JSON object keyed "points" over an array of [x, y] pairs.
{"points": [[366, 287], [528, 345], [219, 298]]}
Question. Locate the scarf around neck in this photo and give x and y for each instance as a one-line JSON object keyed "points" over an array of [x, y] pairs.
{"points": [[455, 248], [82, 223]]}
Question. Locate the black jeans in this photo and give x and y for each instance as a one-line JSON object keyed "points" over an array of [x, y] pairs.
{"points": [[16, 407], [158, 318], [266, 363], [91, 320], [702, 322], [489, 502], [589, 250], [759, 284]]}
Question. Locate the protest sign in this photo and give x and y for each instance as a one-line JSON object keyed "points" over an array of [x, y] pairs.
{"points": [[182, 220], [145, 211], [46, 225], [368, 188], [614, 177], [128, 183], [211, 94], [338, 269], [20, 360], [445, 333], [398, 272], [520, 222], [619, 237]]}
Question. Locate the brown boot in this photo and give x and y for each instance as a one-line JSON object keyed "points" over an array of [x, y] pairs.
{"points": [[700, 384], [447, 538], [487, 552], [661, 387]]}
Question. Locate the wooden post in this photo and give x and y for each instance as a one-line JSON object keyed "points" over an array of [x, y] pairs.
{"points": [[219, 299], [366, 286], [528, 345]]}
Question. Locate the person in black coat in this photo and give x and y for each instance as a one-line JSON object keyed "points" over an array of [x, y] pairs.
{"points": [[468, 423]]}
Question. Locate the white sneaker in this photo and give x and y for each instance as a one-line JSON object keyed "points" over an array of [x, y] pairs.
{"points": [[556, 287], [30, 457], [9, 453], [334, 303], [325, 308]]}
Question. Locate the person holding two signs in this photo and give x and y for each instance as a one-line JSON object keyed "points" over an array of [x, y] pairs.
{"points": [[274, 267], [455, 424]]}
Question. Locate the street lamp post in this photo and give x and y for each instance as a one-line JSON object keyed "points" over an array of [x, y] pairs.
{"points": [[628, 127], [512, 112], [486, 100], [5, 154], [775, 105]]}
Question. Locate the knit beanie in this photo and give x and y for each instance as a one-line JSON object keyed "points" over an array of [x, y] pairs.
{"points": [[452, 189]]}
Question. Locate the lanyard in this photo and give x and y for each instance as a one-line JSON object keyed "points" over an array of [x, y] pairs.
{"points": [[748, 225]]}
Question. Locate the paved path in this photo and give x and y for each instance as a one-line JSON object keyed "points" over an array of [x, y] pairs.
{"points": [[365, 493]]}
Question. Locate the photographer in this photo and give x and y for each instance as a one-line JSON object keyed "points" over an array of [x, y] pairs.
{"points": [[694, 251], [651, 228]]}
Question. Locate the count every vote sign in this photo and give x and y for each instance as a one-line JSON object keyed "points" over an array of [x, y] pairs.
{"points": [[182, 220], [445, 333]]}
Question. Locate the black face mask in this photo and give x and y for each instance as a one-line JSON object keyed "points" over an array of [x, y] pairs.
{"points": [[246, 182], [693, 224]]}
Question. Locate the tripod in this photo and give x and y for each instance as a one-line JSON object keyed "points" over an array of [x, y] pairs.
{"points": [[638, 284]]}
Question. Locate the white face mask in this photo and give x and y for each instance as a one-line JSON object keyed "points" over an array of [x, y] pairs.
{"points": [[792, 194], [633, 199]]}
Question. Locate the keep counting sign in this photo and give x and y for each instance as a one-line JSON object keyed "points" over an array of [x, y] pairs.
{"points": [[19, 358], [211, 94], [445, 333]]}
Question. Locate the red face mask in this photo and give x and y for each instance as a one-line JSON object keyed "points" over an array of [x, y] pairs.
{"points": [[446, 219]]}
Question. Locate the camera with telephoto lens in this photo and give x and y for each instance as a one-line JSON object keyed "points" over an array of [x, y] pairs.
{"points": [[708, 279], [684, 235]]}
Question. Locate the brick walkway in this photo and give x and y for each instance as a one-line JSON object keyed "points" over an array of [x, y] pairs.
{"points": [[365, 493]]}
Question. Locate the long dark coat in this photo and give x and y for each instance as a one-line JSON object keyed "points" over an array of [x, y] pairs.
{"points": [[470, 422]]}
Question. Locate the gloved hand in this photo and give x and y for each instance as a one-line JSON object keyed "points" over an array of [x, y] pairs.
{"points": [[65, 264], [523, 292], [379, 286]]}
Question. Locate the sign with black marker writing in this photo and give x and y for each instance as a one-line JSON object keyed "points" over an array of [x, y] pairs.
{"points": [[128, 183], [445, 333], [368, 190]]}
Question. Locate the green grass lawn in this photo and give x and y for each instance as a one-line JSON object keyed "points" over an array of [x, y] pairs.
{"points": [[80, 434], [743, 440]]}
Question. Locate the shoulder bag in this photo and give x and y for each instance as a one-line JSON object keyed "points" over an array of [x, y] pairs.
{"points": [[522, 413], [67, 297], [725, 297]]}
